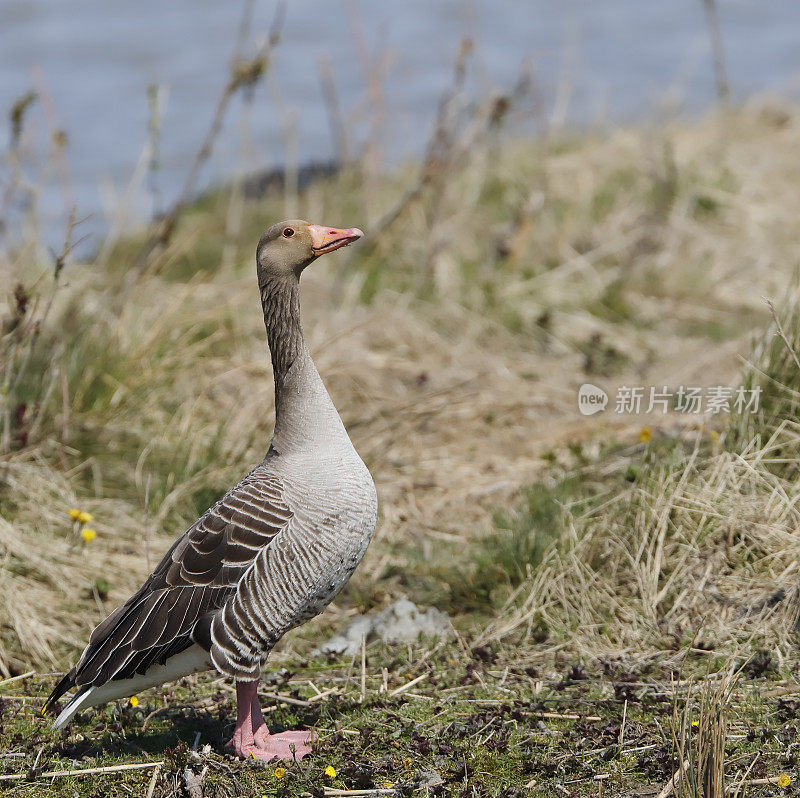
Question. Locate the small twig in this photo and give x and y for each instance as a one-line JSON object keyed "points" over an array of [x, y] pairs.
{"points": [[363, 668], [438, 153], [152, 715], [244, 74], [17, 678], [736, 788], [778, 691], [407, 685], [549, 715], [59, 261], [622, 725], [670, 786], [594, 751], [298, 702], [82, 771], [323, 694], [715, 32], [349, 672], [152, 786]]}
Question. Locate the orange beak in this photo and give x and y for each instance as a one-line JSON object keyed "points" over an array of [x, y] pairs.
{"points": [[327, 239]]}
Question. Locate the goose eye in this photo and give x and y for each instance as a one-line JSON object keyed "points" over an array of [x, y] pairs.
{"points": [[288, 232]]}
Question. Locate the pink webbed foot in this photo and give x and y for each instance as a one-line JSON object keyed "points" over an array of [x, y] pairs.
{"points": [[288, 745], [248, 750], [251, 738]]}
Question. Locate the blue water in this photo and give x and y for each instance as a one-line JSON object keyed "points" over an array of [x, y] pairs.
{"points": [[92, 60]]}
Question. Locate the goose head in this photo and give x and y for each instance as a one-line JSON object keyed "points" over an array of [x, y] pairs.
{"points": [[288, 247]]}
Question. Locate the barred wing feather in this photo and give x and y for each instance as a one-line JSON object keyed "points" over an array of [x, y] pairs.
{"points": [[175, 606]]}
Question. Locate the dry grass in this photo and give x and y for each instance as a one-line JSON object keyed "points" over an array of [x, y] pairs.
{"points": [[701, 551], [453, 343]]}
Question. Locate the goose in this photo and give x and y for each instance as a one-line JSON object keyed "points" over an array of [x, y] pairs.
{"points": [[271, 554]]}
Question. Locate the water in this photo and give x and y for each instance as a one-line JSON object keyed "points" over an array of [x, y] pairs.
{"points": [[93, 60]]}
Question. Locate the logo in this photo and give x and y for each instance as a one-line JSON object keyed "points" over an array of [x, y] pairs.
{"points": [[591, 399]]}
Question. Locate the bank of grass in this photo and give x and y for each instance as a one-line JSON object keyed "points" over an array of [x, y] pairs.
{"points": [[700, 549], [453, 340]]}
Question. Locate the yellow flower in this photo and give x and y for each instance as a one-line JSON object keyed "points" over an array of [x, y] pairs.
{"points": [[645, 434], [134, 701], [784, 780], [279, 773], [88, 535], [85, 518], [387, 785], [330, 772], [395, 744], [75, 513]]}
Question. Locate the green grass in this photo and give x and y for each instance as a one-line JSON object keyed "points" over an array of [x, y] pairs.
{"points": [[478, 723]]}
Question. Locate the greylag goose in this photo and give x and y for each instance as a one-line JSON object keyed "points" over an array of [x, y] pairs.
{"points": [[269, 555]]}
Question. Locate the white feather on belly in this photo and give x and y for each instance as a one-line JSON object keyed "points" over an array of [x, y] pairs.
{"points": [[190, 661]]}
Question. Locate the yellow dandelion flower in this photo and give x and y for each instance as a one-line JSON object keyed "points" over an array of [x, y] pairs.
{"points": [[395, 744], [88, 535], [75, 513], [85, 518], [133, 701], [784, 780], [387, 785], [645, 434], [330, 772], [279, 773], [695, 723]]}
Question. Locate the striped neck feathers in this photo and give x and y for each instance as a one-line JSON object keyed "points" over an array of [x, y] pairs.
{"points": [[304, 412], [280, 299]]}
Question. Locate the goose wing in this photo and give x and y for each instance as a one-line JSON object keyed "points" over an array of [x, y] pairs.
{"points": [[194, 579]]}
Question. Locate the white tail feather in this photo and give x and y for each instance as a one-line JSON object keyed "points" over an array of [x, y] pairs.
{"points": [[191, 660]]}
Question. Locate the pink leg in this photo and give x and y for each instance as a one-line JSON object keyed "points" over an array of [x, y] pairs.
{"points": [[251, 738]]}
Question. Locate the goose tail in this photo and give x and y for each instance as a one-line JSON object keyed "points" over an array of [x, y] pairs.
{"points": [[81, 698]]}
